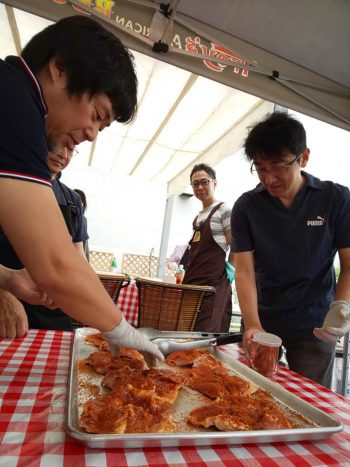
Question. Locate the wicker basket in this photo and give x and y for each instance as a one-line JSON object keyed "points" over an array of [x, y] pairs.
{"points": [[113, 283], [169, 307]]}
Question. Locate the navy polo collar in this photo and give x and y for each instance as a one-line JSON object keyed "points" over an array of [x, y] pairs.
{"points": [[20, 64]]}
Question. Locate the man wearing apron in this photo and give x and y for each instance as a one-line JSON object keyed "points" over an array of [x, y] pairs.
{"points": [[40, 317], [207, 252]]}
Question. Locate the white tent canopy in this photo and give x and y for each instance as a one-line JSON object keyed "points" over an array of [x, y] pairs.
{"points": [[184, 117]]}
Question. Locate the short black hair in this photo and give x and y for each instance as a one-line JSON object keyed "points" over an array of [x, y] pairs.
{"points": [[82, 197], [277, 134], [210, 171], [93, 58]]}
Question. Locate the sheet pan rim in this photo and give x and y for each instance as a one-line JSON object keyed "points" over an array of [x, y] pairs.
{"points": [[138, 440]]}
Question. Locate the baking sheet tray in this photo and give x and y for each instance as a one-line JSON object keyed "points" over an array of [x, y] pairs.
{"points": [[321, 426]]}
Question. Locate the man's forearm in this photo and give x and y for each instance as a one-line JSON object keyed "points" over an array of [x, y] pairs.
{"points": [[3, 293], [5, 274], [47, 252], [247, 298], [343, 286]]}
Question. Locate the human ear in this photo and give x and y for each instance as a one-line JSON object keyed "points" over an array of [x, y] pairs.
{"points": [[56, 71], [305, 158]]}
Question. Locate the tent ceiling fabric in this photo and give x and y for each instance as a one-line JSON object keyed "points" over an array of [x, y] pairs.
{"points": [[184, 117], [315, 34]]}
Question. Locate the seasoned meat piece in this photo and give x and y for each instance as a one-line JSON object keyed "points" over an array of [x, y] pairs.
{"points": [[130, 353], [102, 362], [240, 413], [213, 383], [195, 358], [126, 412], [184, 357], [208, 360], [120, 379], [97, 340], [164, 384], [263, 396], [127, 362], [166, 375]]}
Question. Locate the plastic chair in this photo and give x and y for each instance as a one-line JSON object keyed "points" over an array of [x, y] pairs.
{"points": [[169, 307]]}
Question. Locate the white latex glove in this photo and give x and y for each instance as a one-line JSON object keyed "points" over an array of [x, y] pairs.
{"points": [[336, 323], [127, 336]]}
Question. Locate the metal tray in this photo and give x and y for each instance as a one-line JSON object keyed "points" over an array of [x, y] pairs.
{"points": [[321, 424]]}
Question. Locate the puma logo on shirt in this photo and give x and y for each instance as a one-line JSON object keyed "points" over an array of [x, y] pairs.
{"points": [[317, 222]]}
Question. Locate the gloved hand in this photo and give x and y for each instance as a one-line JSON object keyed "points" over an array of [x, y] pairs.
{"points": [[336, 323], [127, 336]]}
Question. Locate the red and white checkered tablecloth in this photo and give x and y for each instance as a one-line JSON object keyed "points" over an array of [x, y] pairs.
{"points": [[33, 388], [128, 302]]}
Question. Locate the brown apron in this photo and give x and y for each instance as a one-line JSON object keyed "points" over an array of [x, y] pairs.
{"points": [[206, 266]]}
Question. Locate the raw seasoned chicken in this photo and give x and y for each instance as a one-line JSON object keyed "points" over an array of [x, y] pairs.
{"points": [[126, 412], [214, 383], [241, 413], [164, 384], [97, 340], [102, 362], [184, 357]]}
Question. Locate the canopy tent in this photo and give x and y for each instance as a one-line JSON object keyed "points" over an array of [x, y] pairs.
{"points": [[289, 53]]}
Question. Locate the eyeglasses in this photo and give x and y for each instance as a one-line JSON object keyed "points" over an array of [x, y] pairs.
{"points": [[204, 182], [74, 153], [58, 150], [276, 170]]}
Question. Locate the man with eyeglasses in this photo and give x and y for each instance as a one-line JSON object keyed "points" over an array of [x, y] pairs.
{"points": [[73, 79], [15, 320], [285, 234], [207, 252]]}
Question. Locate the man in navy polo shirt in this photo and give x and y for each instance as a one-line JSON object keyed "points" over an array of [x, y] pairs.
{"points": [[285, 234], [35, 316], [72, 80]]}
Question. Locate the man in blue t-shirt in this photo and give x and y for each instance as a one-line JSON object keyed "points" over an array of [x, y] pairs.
{"points": [[72, 80], [285, 234]]}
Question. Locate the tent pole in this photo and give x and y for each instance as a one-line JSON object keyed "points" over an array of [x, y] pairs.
{"points": [[14, 29], [165, 235]]}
